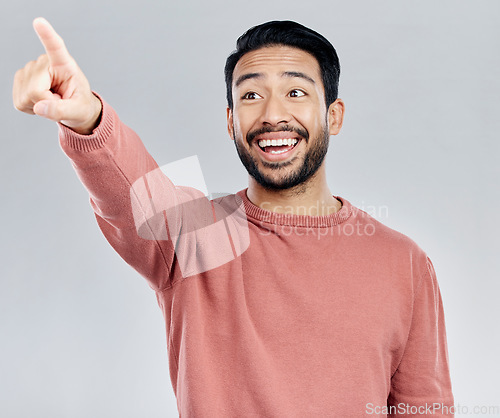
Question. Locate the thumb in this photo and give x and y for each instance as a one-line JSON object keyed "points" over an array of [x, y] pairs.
{"points": [[57, 109]]}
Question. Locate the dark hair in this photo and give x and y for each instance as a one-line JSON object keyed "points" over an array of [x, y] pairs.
{"points": [[292, 34]]}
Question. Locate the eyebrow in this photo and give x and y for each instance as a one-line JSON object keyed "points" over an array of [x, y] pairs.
{"points": [[249, 76], [298, 74]]}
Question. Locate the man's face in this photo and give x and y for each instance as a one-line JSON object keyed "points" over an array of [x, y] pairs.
{"points": [[279, 119]]}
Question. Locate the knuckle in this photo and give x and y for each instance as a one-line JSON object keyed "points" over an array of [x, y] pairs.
{"points": [[18, 75], [29, 66], [22, 105], [21, 108], [42, 61]]}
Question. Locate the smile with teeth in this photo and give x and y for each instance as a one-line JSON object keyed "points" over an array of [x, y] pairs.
{"points": [[267, 144]]}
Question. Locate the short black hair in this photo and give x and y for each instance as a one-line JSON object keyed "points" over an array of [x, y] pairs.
{"points": [[293, 34]]}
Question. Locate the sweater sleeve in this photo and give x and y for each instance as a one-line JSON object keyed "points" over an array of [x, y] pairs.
{"points": [[112, 163], [421, 385]]}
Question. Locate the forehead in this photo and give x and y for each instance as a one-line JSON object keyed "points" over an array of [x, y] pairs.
{"points": [[278, 59]]}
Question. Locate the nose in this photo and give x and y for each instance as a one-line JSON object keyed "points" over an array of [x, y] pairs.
{"points": [[275, 112]]}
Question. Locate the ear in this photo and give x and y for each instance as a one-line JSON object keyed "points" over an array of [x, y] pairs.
{"points": [[229, 117], [335, 116]]}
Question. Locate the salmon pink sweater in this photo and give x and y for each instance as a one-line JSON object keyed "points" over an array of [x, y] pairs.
{"points": [[271, 314]]}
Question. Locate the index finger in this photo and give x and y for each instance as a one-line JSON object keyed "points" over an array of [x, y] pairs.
{"points": [[52, 42]]}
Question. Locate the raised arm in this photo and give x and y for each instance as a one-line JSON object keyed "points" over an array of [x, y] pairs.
{"points": [[108, 157], [147, 220]]}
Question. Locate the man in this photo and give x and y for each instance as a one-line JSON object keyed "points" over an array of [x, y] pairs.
{"points": [[282, 300]]}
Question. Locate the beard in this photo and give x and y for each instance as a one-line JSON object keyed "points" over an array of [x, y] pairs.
{"points": [[284, 177]]}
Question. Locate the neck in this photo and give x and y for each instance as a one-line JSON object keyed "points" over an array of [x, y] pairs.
{"points": [[312, 197]]}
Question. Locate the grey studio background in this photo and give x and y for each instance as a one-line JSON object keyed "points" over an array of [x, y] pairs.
{"points": [[81, 334]]}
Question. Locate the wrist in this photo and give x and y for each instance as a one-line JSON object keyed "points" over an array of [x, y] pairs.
{"points": [[87, 142], [94, 120]]}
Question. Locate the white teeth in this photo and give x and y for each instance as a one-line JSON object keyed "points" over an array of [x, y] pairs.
{"points": [[277, 142]]}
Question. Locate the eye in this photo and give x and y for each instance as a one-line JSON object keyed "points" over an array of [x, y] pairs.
{"points": [[296, 93], [251, 95]]}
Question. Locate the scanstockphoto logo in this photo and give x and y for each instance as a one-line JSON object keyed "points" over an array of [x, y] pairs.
{"points": [[347, 229], [321, 209], [436, 409], [363, 224], [172, 203], [378, 212]]}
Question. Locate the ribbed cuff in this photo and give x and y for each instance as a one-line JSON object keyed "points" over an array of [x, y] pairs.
{"points": [[96, 139]]}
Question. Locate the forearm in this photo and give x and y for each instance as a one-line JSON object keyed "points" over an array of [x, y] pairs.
{"points": [[108, 161]]}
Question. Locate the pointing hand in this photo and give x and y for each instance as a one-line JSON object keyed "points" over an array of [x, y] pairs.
{"points": [[54, 87]]}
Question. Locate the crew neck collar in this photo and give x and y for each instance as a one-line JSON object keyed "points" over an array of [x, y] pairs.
{"points": [[287, 219]]}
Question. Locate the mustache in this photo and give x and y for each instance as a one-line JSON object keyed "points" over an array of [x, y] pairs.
{"points": [[285, 128]]}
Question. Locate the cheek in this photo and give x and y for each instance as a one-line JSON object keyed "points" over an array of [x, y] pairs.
{"points": [[243, 121], [239, 130], [310, 118]]}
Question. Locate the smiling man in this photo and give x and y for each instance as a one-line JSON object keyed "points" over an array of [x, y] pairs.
{"points": [[282, 300]]}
